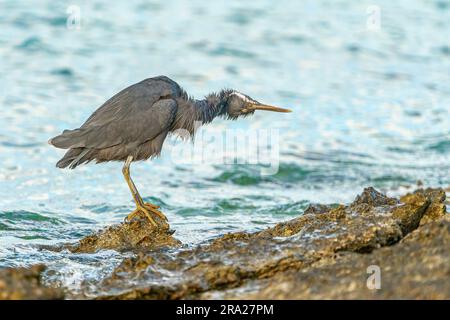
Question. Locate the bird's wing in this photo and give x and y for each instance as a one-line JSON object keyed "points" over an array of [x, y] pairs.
{"points": [[135, 115], [149, 90], [139, 125]]}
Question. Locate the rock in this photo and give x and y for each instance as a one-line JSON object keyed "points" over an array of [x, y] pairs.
{"points": [[373, 198], [323, 253], [416, 268], [138, 234], [317, 208], [240, 260], [437, 207], [25, 283]]}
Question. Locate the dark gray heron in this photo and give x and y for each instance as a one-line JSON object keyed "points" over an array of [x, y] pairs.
{"points": [[133, 124]]}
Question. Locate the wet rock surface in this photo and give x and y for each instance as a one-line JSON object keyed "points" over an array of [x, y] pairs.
{"points": [[437, 208], [416, 268], [26, 283], [323, 253], [137, 234], [233, 261]]}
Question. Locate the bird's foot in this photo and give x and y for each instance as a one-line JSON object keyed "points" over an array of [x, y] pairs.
{"points": [[147, 209], [154, 208]]}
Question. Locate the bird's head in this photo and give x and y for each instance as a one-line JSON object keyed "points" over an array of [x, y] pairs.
{"points": [[239, 104]]}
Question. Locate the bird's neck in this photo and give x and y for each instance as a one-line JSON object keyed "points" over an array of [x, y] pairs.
{"points": [[192, 113], [211, 107]]}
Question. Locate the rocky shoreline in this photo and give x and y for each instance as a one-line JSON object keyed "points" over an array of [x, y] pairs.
{"points": [[324, 253]]}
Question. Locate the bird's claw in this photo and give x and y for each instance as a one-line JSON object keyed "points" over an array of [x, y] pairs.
{"points": [[154, 208], [147, 209], [138, 213]]}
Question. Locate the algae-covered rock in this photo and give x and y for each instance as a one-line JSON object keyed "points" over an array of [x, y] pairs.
{"points": [[372, 221], [437, 208], [25, 283], [416, 268], [138, 234]]}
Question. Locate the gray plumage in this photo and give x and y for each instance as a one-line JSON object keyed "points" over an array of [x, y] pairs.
{"points": [[136, 121]]}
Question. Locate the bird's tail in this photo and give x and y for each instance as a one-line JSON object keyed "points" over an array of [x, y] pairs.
{"points": [[68, 139], [73, 158], [74, 141]]}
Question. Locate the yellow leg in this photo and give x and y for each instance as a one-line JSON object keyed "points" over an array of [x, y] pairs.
{"points": [[141, 207]]}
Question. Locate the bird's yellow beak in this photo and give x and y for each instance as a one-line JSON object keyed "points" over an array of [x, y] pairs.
{"points": [[260, 106]]}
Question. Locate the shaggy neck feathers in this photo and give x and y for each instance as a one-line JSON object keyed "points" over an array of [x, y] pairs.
{"points": [[192, 113]]}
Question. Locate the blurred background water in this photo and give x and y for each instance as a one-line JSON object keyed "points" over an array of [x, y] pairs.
{"points": [[371, 107]]}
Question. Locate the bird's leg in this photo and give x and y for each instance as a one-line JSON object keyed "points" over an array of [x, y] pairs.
{"points": [[140, 205]]}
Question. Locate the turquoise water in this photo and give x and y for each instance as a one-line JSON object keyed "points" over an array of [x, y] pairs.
{"points": [[370, 108]]}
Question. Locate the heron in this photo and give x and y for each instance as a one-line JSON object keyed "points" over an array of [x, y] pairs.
{"points": [[133, 124]]}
